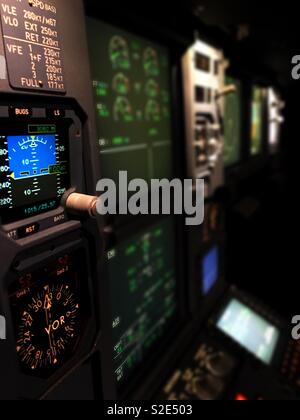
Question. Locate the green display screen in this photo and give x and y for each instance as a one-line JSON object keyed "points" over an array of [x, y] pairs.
{"points": [[143, 295], [131, 83], [258, 97], [232, 121], [41, 129]]}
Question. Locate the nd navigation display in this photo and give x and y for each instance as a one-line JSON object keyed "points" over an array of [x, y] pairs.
{"points": [[34, 169]]}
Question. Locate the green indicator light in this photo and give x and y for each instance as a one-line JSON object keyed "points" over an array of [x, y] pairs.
{"points": [[130, 250], [146, 246], [128, 118], [118, 141], [131, 271], [103, 111], [153, 132], [101, 91], [119, 350]]}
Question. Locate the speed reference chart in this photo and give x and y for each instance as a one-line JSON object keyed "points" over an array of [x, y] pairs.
{"points": [[34, 170]]}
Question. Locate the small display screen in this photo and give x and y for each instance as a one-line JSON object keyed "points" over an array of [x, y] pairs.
{"points": [[250, 330], [34, 169], [210, 270], [202, 62]]}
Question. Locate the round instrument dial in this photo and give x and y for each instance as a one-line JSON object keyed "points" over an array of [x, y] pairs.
{"points": [[151, 62], [123, 111], [119, 53], [47, 313]]}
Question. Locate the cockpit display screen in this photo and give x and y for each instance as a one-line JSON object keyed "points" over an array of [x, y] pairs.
{"points": [[34, 169]]}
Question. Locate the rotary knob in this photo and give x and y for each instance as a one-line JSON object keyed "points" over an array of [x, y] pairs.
{"points": [[207, 387], [219, 364]]}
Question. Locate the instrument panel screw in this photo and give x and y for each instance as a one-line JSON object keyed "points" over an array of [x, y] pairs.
{"points": [[30, 2], [41, 84]]}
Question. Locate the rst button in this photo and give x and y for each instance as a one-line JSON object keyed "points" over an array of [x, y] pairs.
{"points": [[19, 112], [28, 230], [56, 113]]}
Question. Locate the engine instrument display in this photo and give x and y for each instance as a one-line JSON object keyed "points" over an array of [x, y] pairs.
{"points": [[47, 311], [132, 95], [34, 169], [143, 296]]}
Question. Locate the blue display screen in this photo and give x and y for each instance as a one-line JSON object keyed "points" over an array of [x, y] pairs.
{"points": [[210, 270], [34, 168], [31, 156]]}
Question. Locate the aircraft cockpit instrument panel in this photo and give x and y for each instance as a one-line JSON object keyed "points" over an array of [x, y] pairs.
{"points": [[46, 280]]}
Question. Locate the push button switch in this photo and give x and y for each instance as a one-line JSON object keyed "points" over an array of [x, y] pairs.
{"points": [[19, 112], [55, 113]]}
